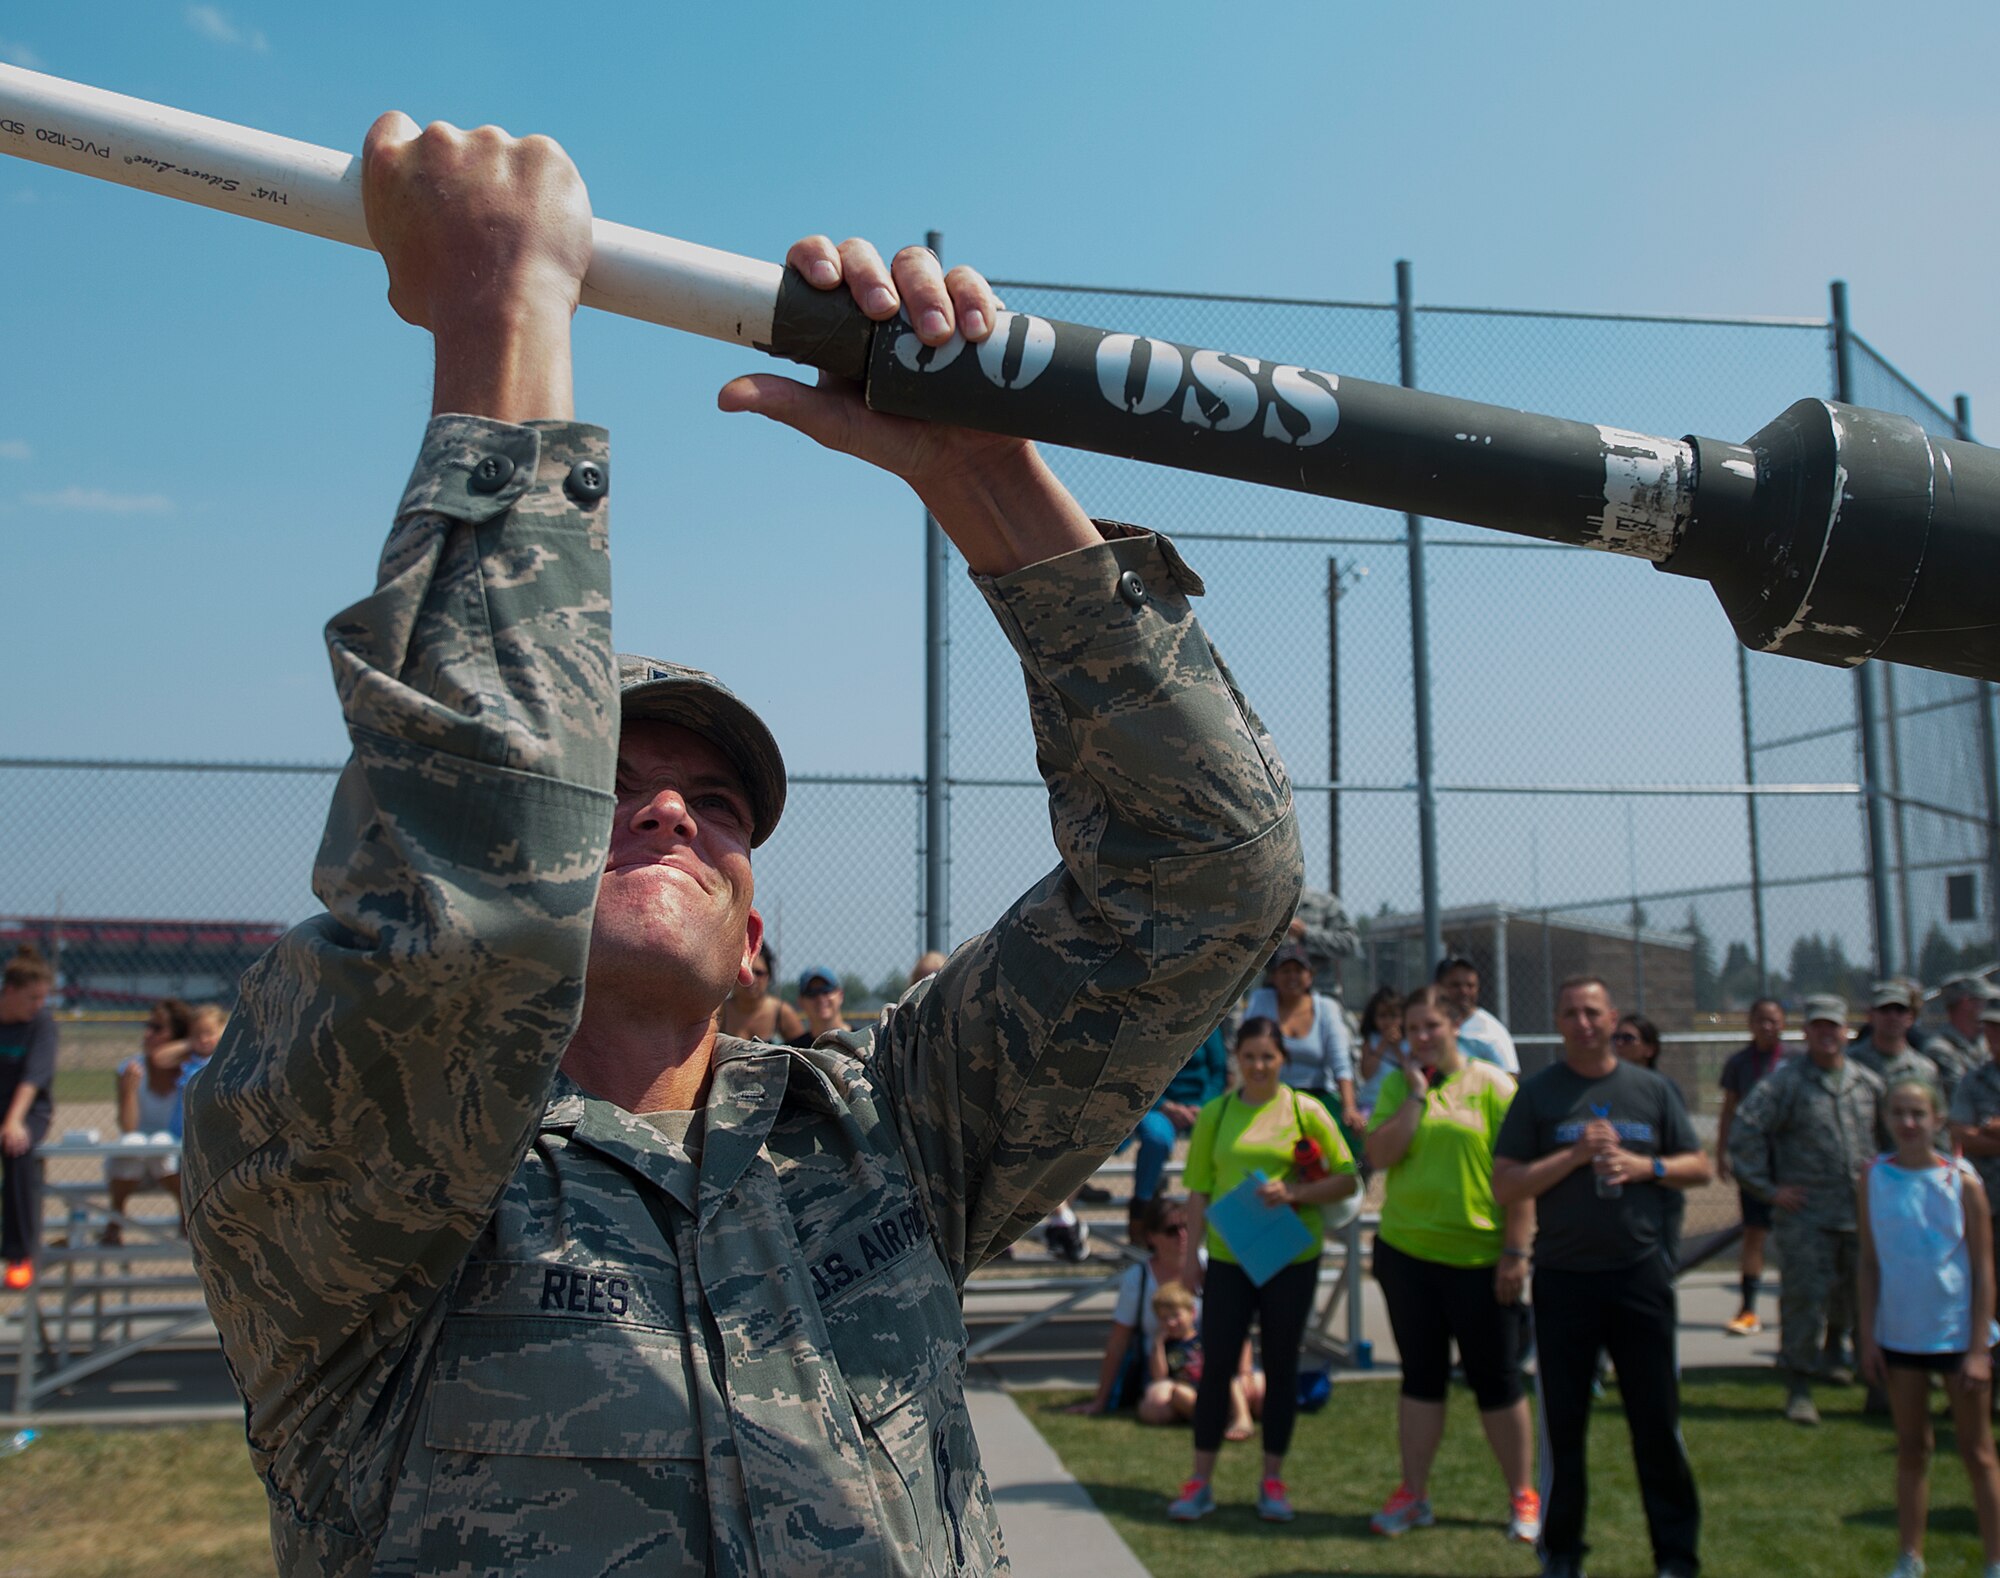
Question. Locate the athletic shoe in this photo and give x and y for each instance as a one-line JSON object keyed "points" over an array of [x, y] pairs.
{"points": [[1799, 1409], [1561, 1567], [1273, 1505], [1067, 1236], [1745, 1325], [1091, 1194], [1909, 1565], [1401, 1513], [20, 1275], [1524, 1518], [1196, 1500]]}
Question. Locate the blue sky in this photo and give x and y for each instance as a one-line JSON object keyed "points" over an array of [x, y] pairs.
{"points": [[205, 421]]}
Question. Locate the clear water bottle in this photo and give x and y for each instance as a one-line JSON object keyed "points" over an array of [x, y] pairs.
{"points": [[19, 1442], [1608, 1188]]}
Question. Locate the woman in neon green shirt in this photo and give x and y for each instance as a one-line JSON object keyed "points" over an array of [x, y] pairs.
{"points": [[1451, 1263], [1256, 1128]]}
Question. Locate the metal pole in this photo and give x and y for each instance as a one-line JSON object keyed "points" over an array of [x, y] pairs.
{"points": [[1502, 997], [1420, 657], [937, 720], [1750, 810], [1879, 906], [1899, 829], [1333, 724], [1988, 761]]}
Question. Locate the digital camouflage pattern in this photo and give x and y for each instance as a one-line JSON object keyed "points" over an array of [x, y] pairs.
{"points": [[1955, 1057], [1977, 1099], [485, 1323], [1817, 1291], [1812, 1127]]}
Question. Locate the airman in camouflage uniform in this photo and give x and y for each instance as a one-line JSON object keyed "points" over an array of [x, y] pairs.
{"points": [[1885, 1048], [1975, 1110], [505, 1289], [1800, 1141], [1957, 1047]]}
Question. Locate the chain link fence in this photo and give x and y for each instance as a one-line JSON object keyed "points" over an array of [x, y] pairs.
{"points": [[1620, 788]]}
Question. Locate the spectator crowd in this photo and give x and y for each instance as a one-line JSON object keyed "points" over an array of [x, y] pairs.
{"points": [[1864, 1162]]}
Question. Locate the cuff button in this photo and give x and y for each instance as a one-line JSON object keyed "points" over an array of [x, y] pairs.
{"points": [[492, 474], [587, 482], [1132, 588]]}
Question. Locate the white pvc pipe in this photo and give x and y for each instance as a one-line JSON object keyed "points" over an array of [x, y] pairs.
{"points": [[316, 190]]}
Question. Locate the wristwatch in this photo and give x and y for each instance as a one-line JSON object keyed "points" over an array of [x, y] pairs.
{"points": [[1659, 1169]]}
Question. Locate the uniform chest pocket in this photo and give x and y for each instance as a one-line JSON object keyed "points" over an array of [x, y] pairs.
{"points": [[896, 1331], [529, 1387]]}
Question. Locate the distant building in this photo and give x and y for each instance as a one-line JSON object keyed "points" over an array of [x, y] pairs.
{"points": [[107, 963], [1524, 954]]}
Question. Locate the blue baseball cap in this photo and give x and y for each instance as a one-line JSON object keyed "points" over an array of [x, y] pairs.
{"points": [[818, 972]]}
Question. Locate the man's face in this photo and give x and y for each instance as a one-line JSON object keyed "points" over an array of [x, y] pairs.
{"points": [[676, 891], [1767, 1026], [1461, 987], [1585, 1016], [1826, 1041], [1890, 1026], [1964, 1016]]}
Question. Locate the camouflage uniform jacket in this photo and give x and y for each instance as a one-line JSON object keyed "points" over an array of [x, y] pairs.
{"points": [[1804, 1125], [1977, 1099], [1954, 1056], [485, 1323]]}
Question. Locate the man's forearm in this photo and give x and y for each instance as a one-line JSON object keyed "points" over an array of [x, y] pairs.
{"points": [[1515, 1181], [1008, 514], [24, 1098], [1688, 1170]]}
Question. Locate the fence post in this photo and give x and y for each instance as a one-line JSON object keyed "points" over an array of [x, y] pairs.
{"points": [[937, 720], [1750, 811], [1880, 910], [1988, 762], [1333, 723], [1420, 657]]}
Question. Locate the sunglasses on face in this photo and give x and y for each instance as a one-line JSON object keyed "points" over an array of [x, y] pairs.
{"points": [[1625, 1038], [817, 991]]}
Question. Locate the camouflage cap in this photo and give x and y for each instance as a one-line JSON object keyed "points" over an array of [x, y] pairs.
{"points": [[1990, 1014], [674, 693], [1826, 1006], [1960, 987], [1894, 994]]}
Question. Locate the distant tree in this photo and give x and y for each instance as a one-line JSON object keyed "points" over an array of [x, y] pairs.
{"points": [[1636, 916], [1940, 958], [893, 985], [854, 989], [1740, 984], [1819, 964], [1707, 987]]}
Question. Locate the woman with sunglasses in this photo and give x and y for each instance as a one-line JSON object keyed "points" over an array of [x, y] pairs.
{"points": [[1637, 1040], [753, 1012], [1452, 1263], [1159, 1227]]}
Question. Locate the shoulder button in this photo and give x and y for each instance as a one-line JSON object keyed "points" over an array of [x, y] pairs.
{"points": [[1132, 588]]}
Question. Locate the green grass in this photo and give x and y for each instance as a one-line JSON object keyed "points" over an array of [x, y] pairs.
{"points": [[169, 1503], [1776, 1499], [77, 1085]]}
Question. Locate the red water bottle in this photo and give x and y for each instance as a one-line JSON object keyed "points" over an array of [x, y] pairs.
{"points": [[1308, 1160]]}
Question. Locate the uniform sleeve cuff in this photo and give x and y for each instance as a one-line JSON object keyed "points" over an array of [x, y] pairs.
{"points": [[472, 468], [1092, 599]]}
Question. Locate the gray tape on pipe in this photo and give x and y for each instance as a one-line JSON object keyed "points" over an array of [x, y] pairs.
{"points": [[822, 328]]}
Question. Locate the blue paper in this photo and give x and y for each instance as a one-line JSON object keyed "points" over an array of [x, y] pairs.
{"points": [[1264, 1238]]}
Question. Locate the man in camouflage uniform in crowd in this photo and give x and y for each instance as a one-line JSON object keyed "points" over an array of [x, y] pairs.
{"points": [[1957, 1047], [1800, 1142], [1885, 1048], [1975, 1108], [515, 1278]]}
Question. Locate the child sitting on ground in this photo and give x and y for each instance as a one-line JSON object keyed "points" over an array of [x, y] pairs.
{"points": [[1925, 1234], [1173, 1367]]}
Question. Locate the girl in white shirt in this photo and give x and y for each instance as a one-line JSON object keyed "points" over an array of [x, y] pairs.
{"points": [[1926, 1307]]}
